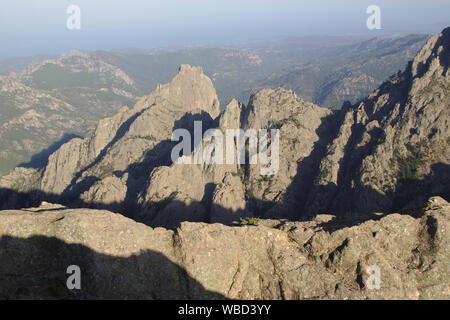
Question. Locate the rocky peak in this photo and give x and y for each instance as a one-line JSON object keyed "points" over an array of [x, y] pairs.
{"points": [[392, 149], [190, 90], [185, 68], [268, 107], [434, 55], [231, 116], [125, 148]]}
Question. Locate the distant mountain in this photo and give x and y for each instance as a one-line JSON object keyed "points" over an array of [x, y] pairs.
{"points": [[323, 70], [12, 65], [229, 68], [48, 102], [349, 73]]}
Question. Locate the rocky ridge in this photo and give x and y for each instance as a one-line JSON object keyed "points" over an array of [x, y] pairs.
{"points": [[325, 258], [55, 99], [47, 103], [376, 156], [392, 149]]}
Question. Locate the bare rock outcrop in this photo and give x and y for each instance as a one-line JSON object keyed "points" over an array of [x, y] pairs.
{"points": [[322, 259], [300, 124], [392, 149], [197, 192]]}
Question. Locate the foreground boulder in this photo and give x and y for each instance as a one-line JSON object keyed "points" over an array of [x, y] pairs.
{"points": [[326, 258]]}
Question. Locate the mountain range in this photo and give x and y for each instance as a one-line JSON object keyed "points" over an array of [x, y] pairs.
{"points": [[63, 97], [360, 188], [385, 153]]}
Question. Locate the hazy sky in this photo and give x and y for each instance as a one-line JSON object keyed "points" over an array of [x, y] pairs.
{"points": [[30, 27]]}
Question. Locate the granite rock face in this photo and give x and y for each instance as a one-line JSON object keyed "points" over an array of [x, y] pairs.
{"points": [[326, 258], [392, 150]]}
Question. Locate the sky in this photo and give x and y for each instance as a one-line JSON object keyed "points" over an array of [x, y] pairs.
{"points": [[30, 27]]}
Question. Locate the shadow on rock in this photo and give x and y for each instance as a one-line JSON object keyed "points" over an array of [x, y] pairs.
{"points": [[35, 268]]}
